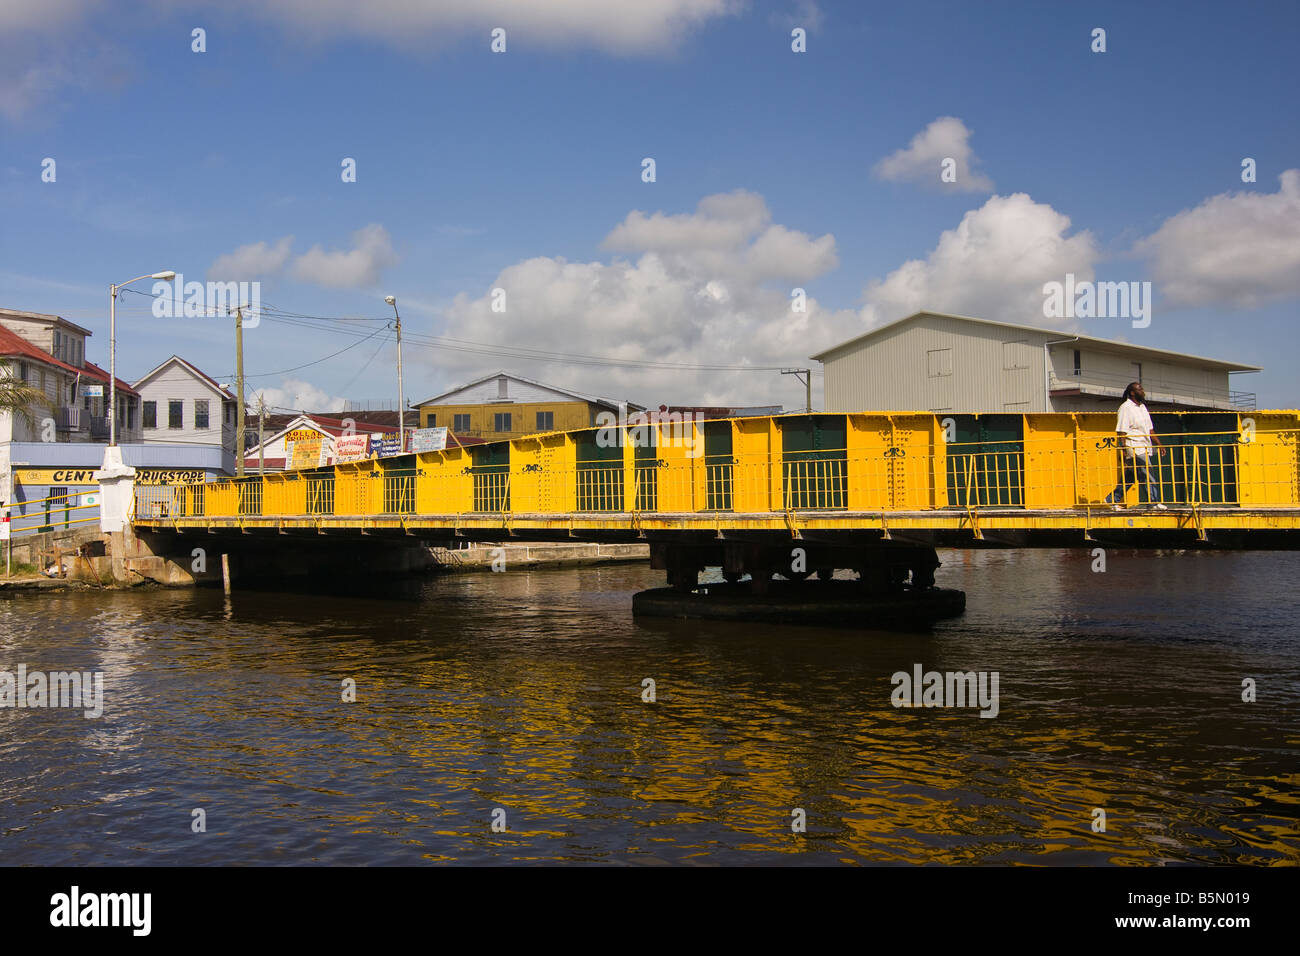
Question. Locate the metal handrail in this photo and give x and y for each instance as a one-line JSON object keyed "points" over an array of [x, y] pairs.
{"points": [[898, 471]]}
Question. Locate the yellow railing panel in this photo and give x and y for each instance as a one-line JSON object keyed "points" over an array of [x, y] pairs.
{"points": [[221, 500], [891, 462], [1269, 457], [911, 463], [526, 475], [868, 438], [681, 449], [757, 485], [1050, 480]]}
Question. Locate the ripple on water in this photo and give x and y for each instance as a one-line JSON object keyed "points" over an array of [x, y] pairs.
{"points": [[523, 691]]}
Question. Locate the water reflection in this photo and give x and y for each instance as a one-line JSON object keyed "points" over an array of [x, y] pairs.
{"points": [[522, 691]]}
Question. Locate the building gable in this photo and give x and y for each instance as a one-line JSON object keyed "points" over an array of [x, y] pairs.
{"points": [[505, 388], [176, 371]]}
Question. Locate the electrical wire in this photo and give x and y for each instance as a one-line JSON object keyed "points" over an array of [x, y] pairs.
{"points": [[361, 371], [318, 361], [274, 313]]}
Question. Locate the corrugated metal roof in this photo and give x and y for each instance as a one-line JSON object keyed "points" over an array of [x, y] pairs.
{"points": [[1109, 343], [592, 399]]}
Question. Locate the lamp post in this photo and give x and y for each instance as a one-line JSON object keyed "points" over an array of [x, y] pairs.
{"points": [[401, 393], [112, 346]]}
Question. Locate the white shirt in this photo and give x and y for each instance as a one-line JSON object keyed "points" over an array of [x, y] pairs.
{"points": [[1135, 422]]}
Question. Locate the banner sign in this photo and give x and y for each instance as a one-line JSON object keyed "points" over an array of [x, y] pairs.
{"points": [[86, 476], [92, 391], [56, 476], [306, 452], [351, 448], [429, 439], [389, 446], [170, 476]]}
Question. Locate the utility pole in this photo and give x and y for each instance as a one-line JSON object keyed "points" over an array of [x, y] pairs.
{"points": [[261, 433], [804, 375], [239, 379], [401, 393]]}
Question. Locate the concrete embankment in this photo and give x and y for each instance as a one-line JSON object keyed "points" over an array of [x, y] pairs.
{"points": [[122, 559], [82, 551]]}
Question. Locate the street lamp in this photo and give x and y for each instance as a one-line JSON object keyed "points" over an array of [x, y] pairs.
{"points": [[112, 347], [401, 393]]}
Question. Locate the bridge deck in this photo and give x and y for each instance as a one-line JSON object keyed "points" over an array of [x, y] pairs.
{"points": [[1015, 479], [1237, 527]]}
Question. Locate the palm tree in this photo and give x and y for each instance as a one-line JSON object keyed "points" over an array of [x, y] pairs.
{"points": [[18, 397]]}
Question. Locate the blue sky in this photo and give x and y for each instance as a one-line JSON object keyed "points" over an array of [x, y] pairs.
{"points": [[522, 171]]}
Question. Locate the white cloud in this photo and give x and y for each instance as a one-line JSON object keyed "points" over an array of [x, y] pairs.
{"points": [[35, 70], [358, 267], [703, 290], [781, 253], [296, 395], [24, 86], [729, 233], [253, 261], [1239, 250], [803, 13], [639, 27], [48, 47], [722, 221], [48, 16], [947, 137], [992, 265]]}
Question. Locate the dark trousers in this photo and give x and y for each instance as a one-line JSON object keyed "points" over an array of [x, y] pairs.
{"points": [[1136, 469]]}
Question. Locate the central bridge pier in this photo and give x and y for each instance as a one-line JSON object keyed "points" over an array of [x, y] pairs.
{"points": [[776, 579]]}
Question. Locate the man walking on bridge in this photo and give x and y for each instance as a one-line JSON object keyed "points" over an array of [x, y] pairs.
{"points": [[1135, 437]]}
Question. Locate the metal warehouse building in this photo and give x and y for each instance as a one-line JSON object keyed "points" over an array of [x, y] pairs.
{"points": [[952, 363]]}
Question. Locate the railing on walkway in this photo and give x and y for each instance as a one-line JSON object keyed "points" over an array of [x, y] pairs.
{"points": [[1056, 462], [59, 512]]}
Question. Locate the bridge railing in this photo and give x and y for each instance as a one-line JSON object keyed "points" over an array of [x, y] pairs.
{"points": [[1055, 462]]}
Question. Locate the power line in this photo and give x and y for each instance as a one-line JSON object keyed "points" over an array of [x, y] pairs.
{"points": [[337, 325], [360, 371], [318, 361], [541, 355], [275, 313]]}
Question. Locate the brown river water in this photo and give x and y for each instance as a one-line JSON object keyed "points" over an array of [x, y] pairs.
{"points": [[518, 698]]}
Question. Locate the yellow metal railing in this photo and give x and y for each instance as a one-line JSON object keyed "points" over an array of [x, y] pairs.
{"points": [[884, 463], [52, 513]]}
